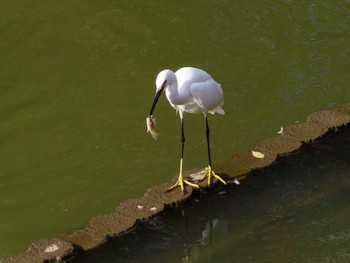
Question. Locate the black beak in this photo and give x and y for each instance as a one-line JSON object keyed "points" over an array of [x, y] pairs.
{"points": [[156, 98]]}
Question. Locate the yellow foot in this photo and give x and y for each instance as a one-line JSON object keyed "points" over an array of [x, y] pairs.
{"points": [[180, 182], [210, 173]]}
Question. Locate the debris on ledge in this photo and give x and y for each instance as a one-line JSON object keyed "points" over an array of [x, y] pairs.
{"points": [[154, 201], [46, 250]]}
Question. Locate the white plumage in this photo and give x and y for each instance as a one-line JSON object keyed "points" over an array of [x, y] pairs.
{"points": [[189, 90]]}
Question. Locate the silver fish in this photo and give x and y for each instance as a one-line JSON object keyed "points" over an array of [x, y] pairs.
{"points": [[151, 126]]}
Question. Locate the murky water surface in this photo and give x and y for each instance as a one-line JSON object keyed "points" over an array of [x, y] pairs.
{"points": [[77, 82], [295, 211]]}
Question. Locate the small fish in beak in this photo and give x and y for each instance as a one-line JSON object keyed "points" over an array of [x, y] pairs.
{"points": [[151, 126]]}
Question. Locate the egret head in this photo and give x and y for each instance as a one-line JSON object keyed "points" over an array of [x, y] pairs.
{"points": [[164, 79]]}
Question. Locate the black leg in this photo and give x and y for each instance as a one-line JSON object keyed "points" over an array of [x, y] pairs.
{"points": [[182, 139], [181, 181], [208, 141], [209, 172]]}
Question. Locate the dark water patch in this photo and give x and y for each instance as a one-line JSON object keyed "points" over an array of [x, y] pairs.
{"points": [[264, 198], [295, 211]]}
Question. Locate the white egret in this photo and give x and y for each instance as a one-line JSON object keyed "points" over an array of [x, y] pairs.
{"points": [[190, 90]]}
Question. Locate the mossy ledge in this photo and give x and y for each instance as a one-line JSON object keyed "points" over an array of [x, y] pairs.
{"points": [[154, 201]]}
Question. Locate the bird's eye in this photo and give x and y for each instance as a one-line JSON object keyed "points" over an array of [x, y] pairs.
{"points": [[164, 83]]}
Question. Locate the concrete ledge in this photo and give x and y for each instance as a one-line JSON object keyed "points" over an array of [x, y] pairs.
{"points": [[43, 251], [128, 213]]}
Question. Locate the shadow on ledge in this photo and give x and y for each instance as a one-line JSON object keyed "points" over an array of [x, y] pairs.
{"points": [[263, 205], [296, 209]]}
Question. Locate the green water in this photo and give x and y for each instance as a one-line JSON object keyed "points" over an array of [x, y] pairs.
{"points": [[77, 81]]}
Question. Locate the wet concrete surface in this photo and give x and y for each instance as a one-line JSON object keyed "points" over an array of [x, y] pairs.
{"points": [[46, 250], [102, 227], [295, 210]]}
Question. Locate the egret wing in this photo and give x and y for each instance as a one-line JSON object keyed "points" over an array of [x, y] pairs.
{"points": [[208, 95]]}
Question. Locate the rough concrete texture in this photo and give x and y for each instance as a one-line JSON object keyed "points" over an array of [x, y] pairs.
{"points": [[43, 251], [125, 216], [128, 213]]}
